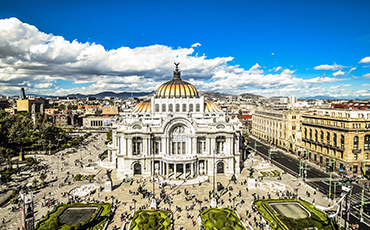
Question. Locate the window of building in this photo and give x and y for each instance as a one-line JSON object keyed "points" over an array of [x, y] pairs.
{"points": [[355, 142], [355, 169], [293, 117], [157, 108], [342, 141], [322, 137], [177, 108], [367, 142], [201, 145], [157, 147], [197, 107], [305, 133], [328, 138], [366, 156], [316, 135], [170, 108], [220, 144], [341, 155], [310, 134], [355, 156], [183, 108], [191, 108], [335, 140], [163, 107], [293, 127], [137, 145]]}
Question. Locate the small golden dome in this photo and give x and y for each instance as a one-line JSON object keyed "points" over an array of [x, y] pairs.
{"points": [[176, 87], [143, 107], [211, 107]]}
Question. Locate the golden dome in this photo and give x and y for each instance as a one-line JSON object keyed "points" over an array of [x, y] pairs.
{"points": [[143, 107], [211, 107], [176, 87]]}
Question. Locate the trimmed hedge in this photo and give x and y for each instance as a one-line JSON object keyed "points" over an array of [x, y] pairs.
{"points": [[51, 219], [150, 220], [220, 219], [317, 219]]}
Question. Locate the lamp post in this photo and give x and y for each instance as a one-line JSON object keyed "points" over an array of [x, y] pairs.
{"points": [[214, 200], [154, 202]]}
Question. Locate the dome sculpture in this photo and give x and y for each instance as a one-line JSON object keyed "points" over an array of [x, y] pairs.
{"points": [[176, 87]]}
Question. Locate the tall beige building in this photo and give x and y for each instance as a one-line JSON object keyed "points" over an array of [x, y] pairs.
{"points": [[338, 134], [279, 127]]}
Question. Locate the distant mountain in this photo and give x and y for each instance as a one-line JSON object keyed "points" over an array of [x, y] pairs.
{"points": [[323, 97], [254, 97], [111, 94], [211, 94]]}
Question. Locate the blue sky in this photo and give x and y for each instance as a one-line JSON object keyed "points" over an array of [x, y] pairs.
{"points": [[270, 48]]}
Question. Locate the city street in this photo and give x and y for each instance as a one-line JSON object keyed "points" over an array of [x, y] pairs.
{"points": [[316, 178]]}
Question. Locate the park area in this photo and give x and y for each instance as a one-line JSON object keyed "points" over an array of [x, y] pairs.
{"points": [[220, 219], [150, 220], [291, 214], [76, 216]]}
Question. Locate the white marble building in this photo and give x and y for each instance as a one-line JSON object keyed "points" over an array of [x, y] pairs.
{"points": [[178, 133]]}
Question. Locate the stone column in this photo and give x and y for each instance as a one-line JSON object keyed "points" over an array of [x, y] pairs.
{"points": [[174, 171], [191, 169], [208, 145], [124, 146], [167, 168], [184, 170], [194, 145], [129, 146], [213, 146]]}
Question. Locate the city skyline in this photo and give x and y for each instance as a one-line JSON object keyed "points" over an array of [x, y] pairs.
{"points": [[302, 49]]}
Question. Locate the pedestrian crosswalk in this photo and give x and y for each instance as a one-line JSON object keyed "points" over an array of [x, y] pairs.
{"points": [[326, 179]]}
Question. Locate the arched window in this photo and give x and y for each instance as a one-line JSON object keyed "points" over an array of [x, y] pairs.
{"points": [[163, 107], [183, 108], [335, 140], [342, 141], [137, 145], [367, 142], [157, 108], [177, 108], [170, 108], [310, 134], [305, 133], [197, 108], [191, 108], [322, 137], [355, 142], [316, 135], [328, 138]]}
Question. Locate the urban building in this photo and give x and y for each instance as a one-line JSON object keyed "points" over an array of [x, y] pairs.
{"points": [[279, 127], [176, 134], [342, 135]]}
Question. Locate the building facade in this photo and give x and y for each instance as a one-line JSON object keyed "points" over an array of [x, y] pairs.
{"points": [[279, 127], [338, 134], [176, 134]]}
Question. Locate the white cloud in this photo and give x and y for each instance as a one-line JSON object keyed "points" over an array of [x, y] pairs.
{"points": [[351, 70], [367, 75], [35, 60], [272, 53], [367, 85], [43, 85], [339, 73], [365, 60], [365, 66], [195, 45], [329, 67]]}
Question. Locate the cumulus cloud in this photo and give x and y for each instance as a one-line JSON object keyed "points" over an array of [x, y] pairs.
{"points": [[365, 60], [195, 45], [367, 85], [36, 60], [367, 75], [339, 73], [329, 67]]}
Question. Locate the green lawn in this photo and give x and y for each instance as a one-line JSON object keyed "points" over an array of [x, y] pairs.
{"points": [[220, 219], [50, 222], [317, 219]]}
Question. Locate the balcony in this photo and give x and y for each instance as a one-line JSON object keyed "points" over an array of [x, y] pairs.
{"points": [[356, 151]]}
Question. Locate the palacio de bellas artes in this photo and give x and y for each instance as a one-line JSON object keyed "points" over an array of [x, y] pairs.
{"points": [[177, 132]]}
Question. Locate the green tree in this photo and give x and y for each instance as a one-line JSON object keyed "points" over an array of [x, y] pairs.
{"points": [[43, 177], [240, 112], [245, 136], [109, 137], [35, 182]]}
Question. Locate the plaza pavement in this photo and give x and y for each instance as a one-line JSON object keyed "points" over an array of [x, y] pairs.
{"points": [[197, 186]]}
